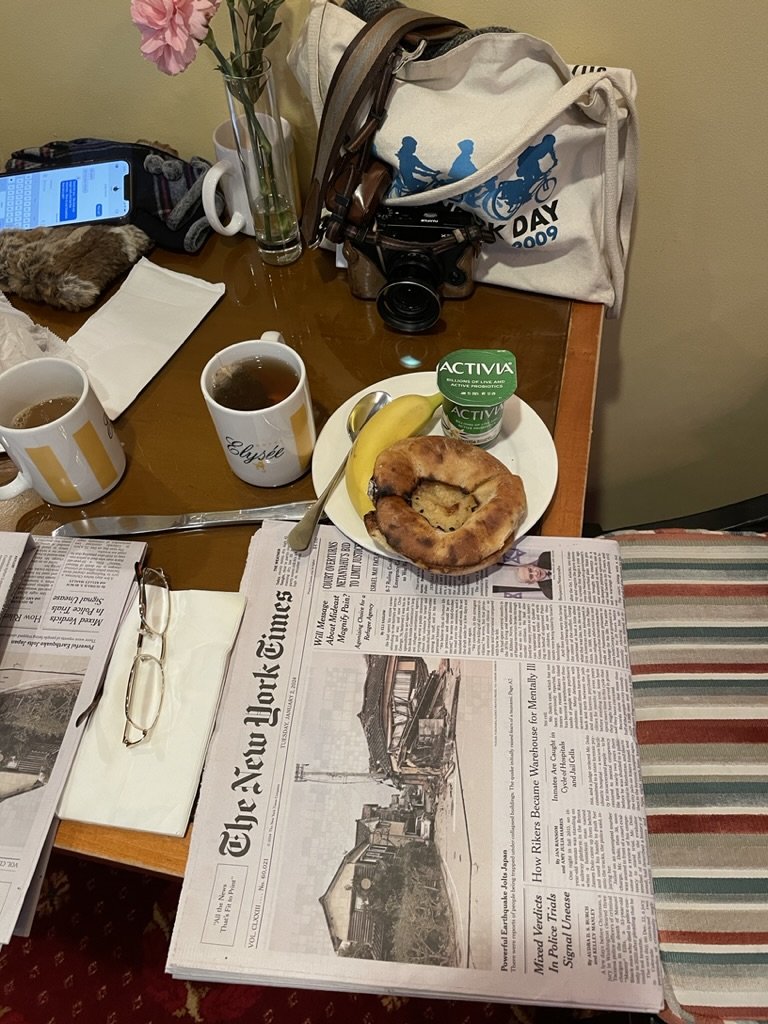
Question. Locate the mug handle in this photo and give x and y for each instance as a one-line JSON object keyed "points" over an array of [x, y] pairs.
{"points": [[212, 177], [15, 486]]}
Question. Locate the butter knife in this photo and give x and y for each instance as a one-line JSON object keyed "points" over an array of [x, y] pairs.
{"points": [[125, 526]]}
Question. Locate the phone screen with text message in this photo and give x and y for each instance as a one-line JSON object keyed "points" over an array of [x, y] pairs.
{"points": [[65, 195]]}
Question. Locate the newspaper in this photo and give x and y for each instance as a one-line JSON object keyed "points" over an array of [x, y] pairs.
{"points": [[56, 634], [426, 786], [16, 552]]}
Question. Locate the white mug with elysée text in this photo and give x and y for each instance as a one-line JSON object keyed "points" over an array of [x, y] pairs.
{"points": [[271, 446]]}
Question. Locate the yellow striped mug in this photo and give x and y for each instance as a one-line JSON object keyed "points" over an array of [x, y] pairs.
{"points": [[57, 434]]}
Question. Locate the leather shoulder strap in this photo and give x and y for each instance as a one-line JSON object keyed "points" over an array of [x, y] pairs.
{"points": [[355, 79]]}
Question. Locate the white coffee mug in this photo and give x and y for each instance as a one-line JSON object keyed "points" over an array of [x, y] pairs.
{"points": [[270, 446], [75, 458], [227, 173]]}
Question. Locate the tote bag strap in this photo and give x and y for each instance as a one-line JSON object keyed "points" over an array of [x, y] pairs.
{"points": [[618, 196], [357, 76]]}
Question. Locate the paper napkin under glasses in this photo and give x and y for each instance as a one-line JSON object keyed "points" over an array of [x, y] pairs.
{"points": [[152, 786], [131, 337]]}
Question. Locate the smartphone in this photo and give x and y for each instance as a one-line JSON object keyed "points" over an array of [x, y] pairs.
{"points": [[97, 192]]}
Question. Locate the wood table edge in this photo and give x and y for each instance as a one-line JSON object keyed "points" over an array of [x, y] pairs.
{"points": [[146, 851], [573, 423]]}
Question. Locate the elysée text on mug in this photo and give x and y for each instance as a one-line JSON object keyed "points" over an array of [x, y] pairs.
{"points": [[245, 451]]}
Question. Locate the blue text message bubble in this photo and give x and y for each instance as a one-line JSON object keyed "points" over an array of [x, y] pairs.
{"points": [[68, 199]]}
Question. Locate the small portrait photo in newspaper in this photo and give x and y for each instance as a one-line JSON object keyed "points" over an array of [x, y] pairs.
{"points": [[532, 575]]}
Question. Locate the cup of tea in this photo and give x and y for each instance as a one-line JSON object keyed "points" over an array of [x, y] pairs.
{"points": [[258, 398], [57, 434]]}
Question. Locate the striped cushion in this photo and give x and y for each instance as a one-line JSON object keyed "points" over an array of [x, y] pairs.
{"points": [[697, 615]]}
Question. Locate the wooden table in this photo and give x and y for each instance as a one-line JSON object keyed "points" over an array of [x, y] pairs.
{"points": [[175, 463]]}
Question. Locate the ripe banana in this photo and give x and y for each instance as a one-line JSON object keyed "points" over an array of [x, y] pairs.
{"points": [[403, 417]]}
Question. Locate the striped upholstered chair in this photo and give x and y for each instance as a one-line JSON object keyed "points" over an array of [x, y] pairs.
{"points": [[697, 613]]}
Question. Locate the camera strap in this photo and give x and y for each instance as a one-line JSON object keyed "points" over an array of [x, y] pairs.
{"points": [[344, 178], [471, 234]]}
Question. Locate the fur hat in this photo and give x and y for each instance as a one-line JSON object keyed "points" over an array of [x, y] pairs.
{"points": [[68, 267]]}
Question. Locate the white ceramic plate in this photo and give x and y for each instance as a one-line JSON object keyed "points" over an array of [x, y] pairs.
{"points": [[524, 445]]}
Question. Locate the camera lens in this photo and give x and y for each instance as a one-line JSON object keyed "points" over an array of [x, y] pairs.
{"points": [[410, 300]]}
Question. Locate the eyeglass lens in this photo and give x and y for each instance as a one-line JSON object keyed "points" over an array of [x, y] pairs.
{"points": [[154, 604], [146, 682], [144, 696]]}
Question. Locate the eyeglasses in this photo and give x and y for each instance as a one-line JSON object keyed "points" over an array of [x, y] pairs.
{"points": [[146, 680]]}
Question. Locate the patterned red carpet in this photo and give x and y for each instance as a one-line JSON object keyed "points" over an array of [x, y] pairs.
{"points": [[96, 955]]}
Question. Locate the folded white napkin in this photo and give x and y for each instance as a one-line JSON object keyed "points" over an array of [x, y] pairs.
{"points": [[131, 337], [152, 786]]}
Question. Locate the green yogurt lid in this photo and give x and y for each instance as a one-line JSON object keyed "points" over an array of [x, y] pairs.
{"points": [[477, 376]]}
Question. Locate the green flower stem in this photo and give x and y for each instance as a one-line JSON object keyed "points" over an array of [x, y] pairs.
{"points": [[252, 28], [248, 92], [210, 42], [262, 155]]}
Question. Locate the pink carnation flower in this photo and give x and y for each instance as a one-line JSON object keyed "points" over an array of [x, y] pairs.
{"points": [[172, 30]]}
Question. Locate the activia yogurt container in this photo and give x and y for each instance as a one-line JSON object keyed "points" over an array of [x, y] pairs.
{"points": [[475, 384]]}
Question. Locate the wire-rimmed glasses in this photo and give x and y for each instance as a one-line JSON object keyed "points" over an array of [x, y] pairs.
{"points": [[146, 681]]}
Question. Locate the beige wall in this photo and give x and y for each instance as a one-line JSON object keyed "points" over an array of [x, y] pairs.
{"points": [[682, 413]]}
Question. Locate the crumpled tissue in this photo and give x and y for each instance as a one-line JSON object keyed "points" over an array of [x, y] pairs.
{"points": [[22, 339]]}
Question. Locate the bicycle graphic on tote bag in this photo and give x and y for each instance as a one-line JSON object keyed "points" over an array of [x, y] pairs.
{"points": [[499, 200]]}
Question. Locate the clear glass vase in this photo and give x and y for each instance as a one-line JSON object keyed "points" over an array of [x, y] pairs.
{"points": [[261, 149]]}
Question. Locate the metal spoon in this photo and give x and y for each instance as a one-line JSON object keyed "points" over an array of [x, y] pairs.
{"points": [[301, 535]]}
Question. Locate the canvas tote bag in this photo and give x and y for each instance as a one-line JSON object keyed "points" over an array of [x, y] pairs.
{"points": [[501, 126]]}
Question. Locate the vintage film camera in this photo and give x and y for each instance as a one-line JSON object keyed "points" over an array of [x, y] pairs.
{"points": [[411, 258]]}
